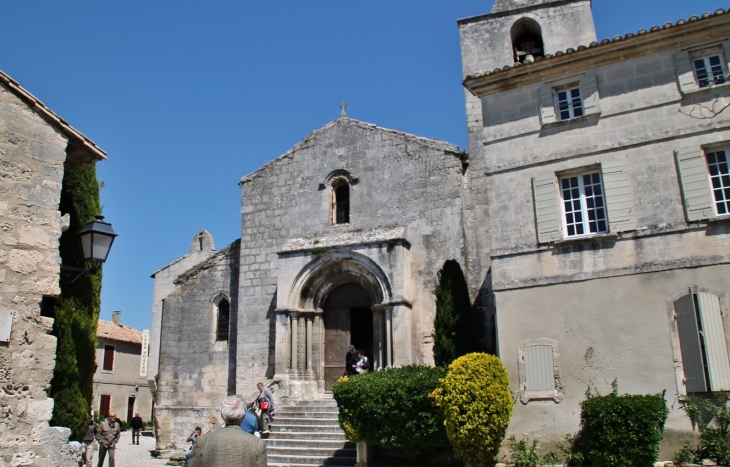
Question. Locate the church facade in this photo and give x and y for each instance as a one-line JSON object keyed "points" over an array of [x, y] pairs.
{"points": [[589, 215]]}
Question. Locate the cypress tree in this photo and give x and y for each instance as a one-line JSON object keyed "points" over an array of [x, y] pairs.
{"points": [[451, 336], [76, 310]]}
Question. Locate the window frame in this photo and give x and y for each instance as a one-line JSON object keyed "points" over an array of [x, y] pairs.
{"points": [[570, 102], [724, 179], [709, 69], [584, 205], [687, 77], [335, 204], [113, 358]]}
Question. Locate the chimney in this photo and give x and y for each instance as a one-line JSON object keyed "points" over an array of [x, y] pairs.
{"points": [[117, 317]]}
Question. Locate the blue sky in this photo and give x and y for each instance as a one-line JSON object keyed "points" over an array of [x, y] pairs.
{"points": [[187, 97]]}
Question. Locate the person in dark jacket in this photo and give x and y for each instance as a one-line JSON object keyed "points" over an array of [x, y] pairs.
{"points": [[350, 361], [137, 424], [88, 442], [107, 434]]}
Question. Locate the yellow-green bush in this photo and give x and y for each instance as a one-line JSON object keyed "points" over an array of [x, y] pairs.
{"points": [[476, 404]]}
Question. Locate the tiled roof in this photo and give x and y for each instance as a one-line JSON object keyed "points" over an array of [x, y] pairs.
{"points": [[593, 45], [118, 332], [39, 106]]}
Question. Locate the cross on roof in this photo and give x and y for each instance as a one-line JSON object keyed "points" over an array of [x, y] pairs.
{"points": [[342, 107]]}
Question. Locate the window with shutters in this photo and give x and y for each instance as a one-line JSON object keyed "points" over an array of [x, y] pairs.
{"points": [[105, 403], [717, 165], [108, 364], [561, 102], [539, 371], [703, 347], [705, 178], [702, 68]]}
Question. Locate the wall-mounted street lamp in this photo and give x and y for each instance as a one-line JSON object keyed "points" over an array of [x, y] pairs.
{"points": [[96, 240]]}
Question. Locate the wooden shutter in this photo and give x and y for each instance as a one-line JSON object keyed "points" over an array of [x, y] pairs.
{"points": [[689, 343], [546, 208], [589, 94], [695, 183], [547, 105], [539, 372], [106, 402], [726, 50], [713, 331], [108, 358], [685, 73], [619, 196]]}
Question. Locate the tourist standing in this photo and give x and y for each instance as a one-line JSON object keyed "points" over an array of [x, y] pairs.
{"points": [[350, 360], [137, 424], [265, 399], [88, 441], [362, 365], [107, 434], [229, 446]]}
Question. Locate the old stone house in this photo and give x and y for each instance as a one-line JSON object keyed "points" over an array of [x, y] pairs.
{"points": [[36, 148], [120, 380], [590, 216]]}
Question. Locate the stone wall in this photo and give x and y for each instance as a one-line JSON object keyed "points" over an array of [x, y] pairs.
{"points": [[32, 155], [196, 370]]}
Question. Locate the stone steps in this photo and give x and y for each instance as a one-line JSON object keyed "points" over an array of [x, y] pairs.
{"points": [[308, 434]]}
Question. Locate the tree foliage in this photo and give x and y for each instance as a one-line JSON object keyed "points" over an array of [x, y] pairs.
{"points": [[76, 310], [452, 330]]}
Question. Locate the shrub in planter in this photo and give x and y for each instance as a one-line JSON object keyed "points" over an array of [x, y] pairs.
{"points": [[391, 408], [622, 431], [476, 404]]}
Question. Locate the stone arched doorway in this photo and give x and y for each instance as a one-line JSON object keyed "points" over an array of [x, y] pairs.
{"points": [[348, 319]]}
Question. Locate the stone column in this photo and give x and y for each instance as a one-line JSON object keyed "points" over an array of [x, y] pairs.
{"points": [[294, 343], [388, 336], [309, 321], [379, 337]]}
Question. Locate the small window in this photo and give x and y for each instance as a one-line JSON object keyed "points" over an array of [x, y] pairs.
{"points": [[569, 103], [224, 316], [342, 204], [702, 342], [584, 209], [539, 372], [709, 70], [108, 358], [717, 165]]}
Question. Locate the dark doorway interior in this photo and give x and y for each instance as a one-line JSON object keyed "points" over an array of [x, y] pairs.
{"points": [[361, 330]]}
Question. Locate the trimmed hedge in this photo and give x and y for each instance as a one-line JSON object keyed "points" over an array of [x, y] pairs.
{"points": [[452, 331], [476, 404], [622, 431], [391, 408], [76, 310]]}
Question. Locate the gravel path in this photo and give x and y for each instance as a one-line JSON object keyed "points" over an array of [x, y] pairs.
{"points": [[132, 455]]}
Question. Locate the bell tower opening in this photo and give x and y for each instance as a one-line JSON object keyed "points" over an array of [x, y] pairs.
{"points": [[527, 44]]}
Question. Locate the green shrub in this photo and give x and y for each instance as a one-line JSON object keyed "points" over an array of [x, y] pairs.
{"points": [[476, 404], [622, 431], [712, 417], [391, 408], [685, 455], [76, 310], [452, 327]]}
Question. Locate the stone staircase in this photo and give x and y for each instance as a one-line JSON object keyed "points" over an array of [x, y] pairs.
{"points": [[308, 434]]}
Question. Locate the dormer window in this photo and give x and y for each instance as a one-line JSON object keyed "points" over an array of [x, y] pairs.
{"points": [[341, 203], [527, 44]]}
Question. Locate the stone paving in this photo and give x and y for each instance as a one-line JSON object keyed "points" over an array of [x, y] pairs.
{"points": [[132, 455]]}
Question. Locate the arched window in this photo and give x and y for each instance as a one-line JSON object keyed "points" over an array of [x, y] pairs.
{"points": [[527, 42], [224, 316], [341, 203]]}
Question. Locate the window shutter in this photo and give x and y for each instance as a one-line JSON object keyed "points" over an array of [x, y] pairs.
{"points": [[689, 343], [695, 184], [539, 368], [546, 208], [619, 197], [547, 105], [715, 345], [726, 49], [589, 93], [108, 358], [685, 73]]}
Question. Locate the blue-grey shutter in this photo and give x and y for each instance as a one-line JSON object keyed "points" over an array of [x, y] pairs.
{"points": [[589, 94], [685, 73], [695, 183], [689, 343], [713, 331], [539, 371], [547, 105], [546, 208], [619, 195], [726, 50]]}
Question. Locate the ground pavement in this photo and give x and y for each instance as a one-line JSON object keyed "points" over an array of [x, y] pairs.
{"points": [[132, 455]]}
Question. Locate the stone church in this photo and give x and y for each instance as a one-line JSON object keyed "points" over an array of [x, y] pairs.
{"points": [[590, 215]]}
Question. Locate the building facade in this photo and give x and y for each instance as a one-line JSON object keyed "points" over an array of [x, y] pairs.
{"points": [[120, 380], [36, 148], [589, 215]]}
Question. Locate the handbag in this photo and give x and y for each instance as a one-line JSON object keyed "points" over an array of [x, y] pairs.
{"points": [[263, 405]]}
